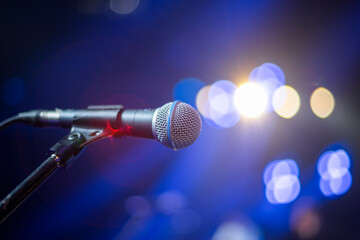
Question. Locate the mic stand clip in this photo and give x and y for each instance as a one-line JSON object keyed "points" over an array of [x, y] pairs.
{"points": [[61, 155]]}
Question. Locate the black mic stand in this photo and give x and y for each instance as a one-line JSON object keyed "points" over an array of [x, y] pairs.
{"points": [[60, 156]]}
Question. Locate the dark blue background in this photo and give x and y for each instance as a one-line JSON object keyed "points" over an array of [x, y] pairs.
{"points": [[64, 58]]}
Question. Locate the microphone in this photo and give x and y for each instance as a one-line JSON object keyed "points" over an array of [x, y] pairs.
{"points": [[176, 124]]}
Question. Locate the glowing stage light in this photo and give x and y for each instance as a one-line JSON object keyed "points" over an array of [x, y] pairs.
{"points": [[123, 6], [322, 102], [281, 180], [333, 168], [251, 100], [286, 101]]}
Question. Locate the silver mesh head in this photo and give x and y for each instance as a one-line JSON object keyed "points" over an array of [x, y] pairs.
{"points": [[176, 125]]}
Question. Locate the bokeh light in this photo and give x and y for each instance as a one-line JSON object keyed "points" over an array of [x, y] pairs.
{"points": [[186, 90], [13, 91], [281, 180], [279, 73], [221, 96], [268, 75], [333, 164], [305, 221], [216, 103], [251, 99], [308, 225], [237, 230], [286, 101], [322, 102], [170, 202], [224, 120], [280, 167], [221, 104], [123, 6], [333, 168], [202, 103]]}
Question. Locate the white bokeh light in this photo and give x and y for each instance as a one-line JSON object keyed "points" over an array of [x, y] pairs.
{"points": [[251, 100]]}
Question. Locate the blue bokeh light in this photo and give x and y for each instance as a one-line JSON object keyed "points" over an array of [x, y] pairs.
{"points": [[281, 181], [221, 96], [283, 189], [186, 90], [341, 185], [270, 76], [170, 202], [224, 120], [221, 105], [14, 91], [279, 168], [276, 70], [335, 177], [336, 186], [222, 86]]}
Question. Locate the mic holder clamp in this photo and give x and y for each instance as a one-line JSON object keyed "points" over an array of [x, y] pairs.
{"points": [[60, 155]]}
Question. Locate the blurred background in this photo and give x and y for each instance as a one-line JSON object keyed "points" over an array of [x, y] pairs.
{"points": [[275, 82]]}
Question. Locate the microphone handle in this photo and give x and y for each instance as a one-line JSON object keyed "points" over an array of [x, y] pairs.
{"points": [[132, 122], [66, 118]]}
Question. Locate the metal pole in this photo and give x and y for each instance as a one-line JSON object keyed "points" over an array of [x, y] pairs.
{"points": [[61, 154], [24, 189]]}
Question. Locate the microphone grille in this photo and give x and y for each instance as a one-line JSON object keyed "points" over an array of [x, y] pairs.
{"points": [[177, 125]]}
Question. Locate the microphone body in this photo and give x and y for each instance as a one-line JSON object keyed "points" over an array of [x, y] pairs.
{"points": [[175, 125]]}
